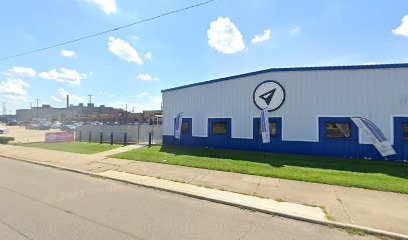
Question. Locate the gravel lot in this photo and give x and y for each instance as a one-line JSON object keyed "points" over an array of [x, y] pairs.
{"points": [[23, 135]]}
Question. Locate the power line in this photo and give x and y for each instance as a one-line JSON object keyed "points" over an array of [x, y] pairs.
{"points": [[106, 31]]}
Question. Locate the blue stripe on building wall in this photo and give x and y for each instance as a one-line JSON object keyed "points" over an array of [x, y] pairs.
{"points": [[343, 148], [184, 137], [219, 140]]}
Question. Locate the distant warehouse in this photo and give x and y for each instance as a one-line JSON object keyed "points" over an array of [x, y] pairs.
{"points": [[310, 110]]}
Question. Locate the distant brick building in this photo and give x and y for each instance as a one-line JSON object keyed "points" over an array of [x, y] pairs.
{"points": [[89, 113]]}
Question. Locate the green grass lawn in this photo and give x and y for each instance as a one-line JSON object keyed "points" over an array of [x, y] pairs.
{"points": [[75, 147], [377, 175]]}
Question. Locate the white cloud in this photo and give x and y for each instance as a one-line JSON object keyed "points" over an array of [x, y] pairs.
{"points": [[123, 50], [402, 30], [148, 55], [143, 94], [18, 71], [72, 98], [14, 87], [56, 99], [146, 77], [225, 37], [370, 63], [263, 37], [68, 53], [108, 6], [111, 95], [14, 98], [13, 92], [156, 100], [294, 30], [135, 37], [70, 76]]}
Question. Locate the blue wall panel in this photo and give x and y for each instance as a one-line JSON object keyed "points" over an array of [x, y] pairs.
{"points": [[219, 140], [343, 148], [400, 145]]}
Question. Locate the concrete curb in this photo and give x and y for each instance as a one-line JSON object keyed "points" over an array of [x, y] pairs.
{"points": [[367, 230]]}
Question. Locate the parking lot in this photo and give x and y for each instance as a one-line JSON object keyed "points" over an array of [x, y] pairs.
{"points": [[23, 135]]}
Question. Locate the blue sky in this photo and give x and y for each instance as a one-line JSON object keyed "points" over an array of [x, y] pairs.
{"points": [[223, 38]]}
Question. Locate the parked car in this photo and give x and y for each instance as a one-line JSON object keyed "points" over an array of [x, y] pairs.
{"points": [[32, 126], [3, 130], [12, 122], [24, 123], [44, 126], [56, 125], [68, 127]]}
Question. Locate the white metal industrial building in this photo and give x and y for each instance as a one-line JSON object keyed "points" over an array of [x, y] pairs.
{"points": [[309, 110]]}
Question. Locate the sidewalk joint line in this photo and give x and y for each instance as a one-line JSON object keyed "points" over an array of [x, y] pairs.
{"points": [[341, 204], [16, 230]]}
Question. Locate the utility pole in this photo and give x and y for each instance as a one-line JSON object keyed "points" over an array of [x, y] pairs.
{"points": [[31, 110], [90, 97], [37, 99]]}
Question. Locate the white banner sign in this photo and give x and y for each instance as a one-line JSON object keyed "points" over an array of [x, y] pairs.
{"points": [[177, 125], [375, 135], [266, 138]]}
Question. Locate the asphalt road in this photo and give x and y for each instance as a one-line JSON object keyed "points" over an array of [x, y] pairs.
{"points": [[38, 202]]}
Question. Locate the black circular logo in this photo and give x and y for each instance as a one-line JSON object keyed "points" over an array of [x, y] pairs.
{"points": [[269, 95]]}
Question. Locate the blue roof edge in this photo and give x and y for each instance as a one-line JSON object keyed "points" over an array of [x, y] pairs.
{"points": [[291, 69]]}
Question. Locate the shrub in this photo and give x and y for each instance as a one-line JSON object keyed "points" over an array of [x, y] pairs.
{"points": [[5, 140]]}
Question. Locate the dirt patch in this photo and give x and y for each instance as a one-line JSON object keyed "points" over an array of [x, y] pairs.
{"points": [[23, 135]]}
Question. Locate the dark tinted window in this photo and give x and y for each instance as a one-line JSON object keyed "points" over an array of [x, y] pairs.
{"points": [[185, 128], [272, 129], [405, 131], [338, 130], [219, 128]]}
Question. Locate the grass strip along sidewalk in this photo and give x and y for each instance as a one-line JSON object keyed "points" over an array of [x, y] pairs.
{"points": [[75, 147], [369, 174]]}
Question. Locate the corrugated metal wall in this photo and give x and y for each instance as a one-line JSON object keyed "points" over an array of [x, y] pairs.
{"points": [[377, 94]]}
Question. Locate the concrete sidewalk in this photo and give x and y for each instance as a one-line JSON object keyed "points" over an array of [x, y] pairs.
{"points": [[374, 209]]}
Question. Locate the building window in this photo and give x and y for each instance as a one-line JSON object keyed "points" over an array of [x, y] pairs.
{"points": [[272, 129], [338, 130], [219, 128], [405, 131], [185, 128]]}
